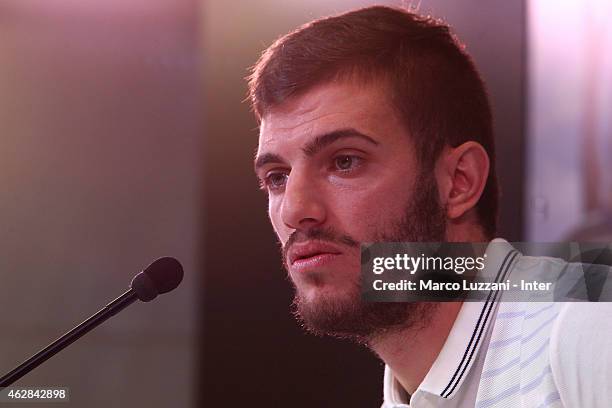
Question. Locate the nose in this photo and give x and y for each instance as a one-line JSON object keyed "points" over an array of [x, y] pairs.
{"points": [[303, 203]]}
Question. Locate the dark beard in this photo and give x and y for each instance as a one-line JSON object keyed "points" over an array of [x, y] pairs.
{"points": [[363, 322]]}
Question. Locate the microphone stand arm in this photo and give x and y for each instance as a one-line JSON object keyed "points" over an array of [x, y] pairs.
{"points": [[37, 359]]}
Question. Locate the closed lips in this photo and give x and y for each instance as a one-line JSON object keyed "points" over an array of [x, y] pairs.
{"points": [[308, 250]]}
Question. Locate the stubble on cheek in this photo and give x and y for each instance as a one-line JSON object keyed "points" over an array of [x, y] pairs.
{"points": [[342, 313]]}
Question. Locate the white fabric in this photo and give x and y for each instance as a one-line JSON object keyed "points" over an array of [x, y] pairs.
{"points": [[528, 354], [581, 354]]}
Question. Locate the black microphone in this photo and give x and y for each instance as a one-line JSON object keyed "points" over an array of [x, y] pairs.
{"points": [[162, 276]]}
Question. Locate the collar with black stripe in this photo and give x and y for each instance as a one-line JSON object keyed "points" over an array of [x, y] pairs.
{"points": [[453, 364]]}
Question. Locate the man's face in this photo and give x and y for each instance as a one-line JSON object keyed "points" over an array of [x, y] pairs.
{"points": [[340, 169]]}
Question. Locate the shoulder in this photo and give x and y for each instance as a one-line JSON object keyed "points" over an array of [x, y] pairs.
{"points": [[581, 354]]}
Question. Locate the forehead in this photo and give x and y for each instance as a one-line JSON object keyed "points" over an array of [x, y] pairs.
{"points": [[326, 108]]}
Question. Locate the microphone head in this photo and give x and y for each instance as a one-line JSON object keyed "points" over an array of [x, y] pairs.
{"points": [[162, 276]]}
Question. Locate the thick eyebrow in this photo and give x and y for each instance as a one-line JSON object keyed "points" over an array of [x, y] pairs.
{"points": [[266, 158], [316, 145], [324, 140]]}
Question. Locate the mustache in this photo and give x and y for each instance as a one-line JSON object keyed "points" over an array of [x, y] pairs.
{"points": [[319, 234]]}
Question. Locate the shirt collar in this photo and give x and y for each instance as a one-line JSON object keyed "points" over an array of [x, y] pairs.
{"points": [[454, 361]]}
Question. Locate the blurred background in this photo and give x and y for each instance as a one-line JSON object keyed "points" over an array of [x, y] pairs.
{"points": [[124, 137], [101, 152], [569, 128]]}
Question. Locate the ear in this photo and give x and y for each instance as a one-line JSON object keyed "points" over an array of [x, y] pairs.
{"points": [[462, 174]]}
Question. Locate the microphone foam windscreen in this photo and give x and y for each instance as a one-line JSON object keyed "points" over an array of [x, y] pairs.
{"points": [[144, 287], [162, 276], [166, 274]]}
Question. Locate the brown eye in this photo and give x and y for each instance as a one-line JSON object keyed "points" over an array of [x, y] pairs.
{"points": [[346, 162], [275, 181]]}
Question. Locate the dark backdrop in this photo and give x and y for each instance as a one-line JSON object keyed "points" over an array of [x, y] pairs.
{"points": [[253, 351]]}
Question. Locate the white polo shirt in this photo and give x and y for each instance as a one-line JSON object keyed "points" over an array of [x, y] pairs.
{"points": [[518, 354]]}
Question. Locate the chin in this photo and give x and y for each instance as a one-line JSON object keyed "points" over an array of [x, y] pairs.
{"points": [[331, 311], [322, 309], [327, 287], [322, 296]]}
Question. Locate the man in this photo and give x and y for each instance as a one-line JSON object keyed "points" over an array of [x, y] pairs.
{"points": [[375, 126]]}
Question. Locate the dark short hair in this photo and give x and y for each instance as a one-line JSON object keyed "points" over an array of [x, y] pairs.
{"points": [[432, 83]]}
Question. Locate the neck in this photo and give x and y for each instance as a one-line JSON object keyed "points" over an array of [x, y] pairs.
{"points": [[411, 353]]}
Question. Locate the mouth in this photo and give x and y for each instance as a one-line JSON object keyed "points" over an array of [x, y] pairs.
{"points": [[311, 254], [316, 261]]}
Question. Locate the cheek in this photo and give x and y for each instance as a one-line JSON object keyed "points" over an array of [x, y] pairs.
{"points": [[366, 212]]}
